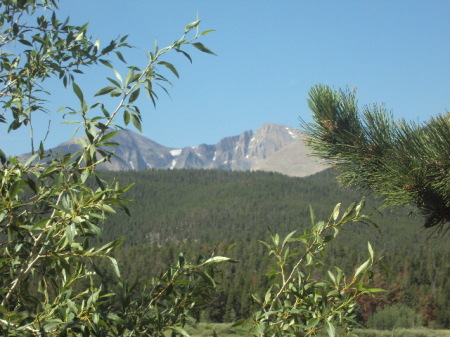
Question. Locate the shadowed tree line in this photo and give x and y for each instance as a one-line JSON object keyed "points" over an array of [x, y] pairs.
{"points": [[206, 210]]}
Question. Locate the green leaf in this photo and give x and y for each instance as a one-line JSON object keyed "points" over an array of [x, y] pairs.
{"points": [[78, 92], [115, 265], [375, 290], [113, 81], [126, 117], [331, 330], [116, 318], [41, 223], [136, 122], [120, 56], [105, 90], [361, 268], [129, 77], [276, 239], [191, 25], [15, 189], [127, 187], [116, 73], [109, 48], [227, 248], [95, 230], [208, 279], [336, 211], [106, 63], [111, 246], [202, 48], [360, 206], [268, 295], [217, 259], [116, 93], [70, 232], [339, 275], [207, 31], [170, 67], [108, 136], [312, 323], [309, 259], [108, 208], [287, 238], [332, 276], [31, 159], [348, 211], [312, 216], [84, 175], [97, 44], [134, 96], [26, 42], [369, 247], [185, 54], [179, 330]]}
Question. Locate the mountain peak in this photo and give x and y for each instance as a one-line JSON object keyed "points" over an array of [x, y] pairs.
{"points": [[272, 147]]}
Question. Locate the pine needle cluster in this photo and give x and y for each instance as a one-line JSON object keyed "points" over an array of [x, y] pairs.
{"points": [[405, 163]]}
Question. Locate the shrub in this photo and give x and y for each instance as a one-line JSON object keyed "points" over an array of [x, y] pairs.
{"points": [[395, 317]]}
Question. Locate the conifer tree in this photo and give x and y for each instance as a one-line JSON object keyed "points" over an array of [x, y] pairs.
{"points": [[404, 163]]}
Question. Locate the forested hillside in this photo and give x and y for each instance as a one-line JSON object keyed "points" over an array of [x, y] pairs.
{"points": [[199, 211]]}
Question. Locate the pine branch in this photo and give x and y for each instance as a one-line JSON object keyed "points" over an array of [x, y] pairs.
{"points": [[404, 163]]}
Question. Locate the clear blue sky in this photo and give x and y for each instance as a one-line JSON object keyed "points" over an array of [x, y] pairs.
{"points": [[270, 53]]}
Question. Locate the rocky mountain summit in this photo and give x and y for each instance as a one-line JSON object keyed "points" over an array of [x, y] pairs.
{"points": [[272, 147]]}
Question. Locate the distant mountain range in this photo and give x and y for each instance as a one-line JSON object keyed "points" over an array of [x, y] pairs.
{"points": [[272, 147]]}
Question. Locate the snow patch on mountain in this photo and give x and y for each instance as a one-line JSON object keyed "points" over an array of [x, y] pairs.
{"points": [[175, 152], [294, 135], [272, 147]]}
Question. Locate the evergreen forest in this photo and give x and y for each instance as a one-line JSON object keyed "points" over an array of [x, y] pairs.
{"points": [[65, 272], [207, 211]]}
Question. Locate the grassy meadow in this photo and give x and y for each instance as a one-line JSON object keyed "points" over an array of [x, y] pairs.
{"points": [[226, 330]]}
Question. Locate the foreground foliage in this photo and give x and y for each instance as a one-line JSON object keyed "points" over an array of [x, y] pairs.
{"points": [[404, 163], [53, 280], [50, 283], [297, 303]]}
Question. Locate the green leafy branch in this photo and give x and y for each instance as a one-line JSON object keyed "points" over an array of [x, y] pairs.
{"points": [[296, 303], [404, 163], [53, 206]]}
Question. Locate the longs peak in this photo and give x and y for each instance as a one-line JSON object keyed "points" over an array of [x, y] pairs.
{"points": [[272, 147]]}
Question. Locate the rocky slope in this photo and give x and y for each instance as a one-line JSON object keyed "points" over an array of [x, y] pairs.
{"points": [[272, 147]]}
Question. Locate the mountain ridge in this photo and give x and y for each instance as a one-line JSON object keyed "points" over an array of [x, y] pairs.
{"points": [[272, 147]]}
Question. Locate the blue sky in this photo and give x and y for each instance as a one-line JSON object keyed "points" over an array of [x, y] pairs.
{"points": [[269, 54]]}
